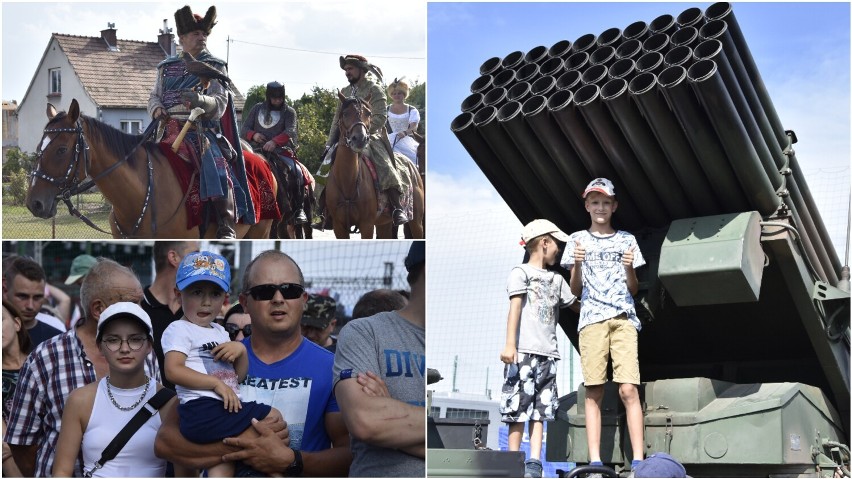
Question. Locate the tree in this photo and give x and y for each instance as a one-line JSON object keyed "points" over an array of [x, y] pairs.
{"points": [[315, 113], [17, 160]]}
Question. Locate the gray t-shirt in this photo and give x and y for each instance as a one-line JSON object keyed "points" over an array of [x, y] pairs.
{"points": [[544, 292], [393, 348]]}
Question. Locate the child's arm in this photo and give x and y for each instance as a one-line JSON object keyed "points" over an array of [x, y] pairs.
{"points": [[510, 351], [178, 373], [629, 272], [235, 353], [576, 281]]}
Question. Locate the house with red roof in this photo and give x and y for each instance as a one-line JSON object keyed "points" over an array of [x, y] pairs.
{"points": [[109, 77]]}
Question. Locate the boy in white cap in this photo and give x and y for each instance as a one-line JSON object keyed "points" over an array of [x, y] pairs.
{"points": [[203, 363], [530, 354], [602, 261]]}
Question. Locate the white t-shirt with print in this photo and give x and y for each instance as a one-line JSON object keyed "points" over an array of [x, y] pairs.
{"points": [[605, 293], [544, 292]]}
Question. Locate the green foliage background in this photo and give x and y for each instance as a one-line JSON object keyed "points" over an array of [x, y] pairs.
{"points": [[315, 112]]}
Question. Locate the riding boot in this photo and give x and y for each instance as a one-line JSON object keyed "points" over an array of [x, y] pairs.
{"points": [[301, 217], [397, 212], [225, 213]]}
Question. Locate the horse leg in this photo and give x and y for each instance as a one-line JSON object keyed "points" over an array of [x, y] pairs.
{"points": [[385, 231]]}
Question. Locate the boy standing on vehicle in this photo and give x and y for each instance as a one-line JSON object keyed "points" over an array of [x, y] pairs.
{"points": [[530, 354], [602, 264]]}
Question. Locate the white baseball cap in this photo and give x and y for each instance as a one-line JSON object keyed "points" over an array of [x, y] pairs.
{"points": [[541, 227], [124, 310], [601, 185]]}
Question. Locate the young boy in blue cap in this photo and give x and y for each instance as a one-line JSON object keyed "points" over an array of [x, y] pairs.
{"points": [[203, 363]]}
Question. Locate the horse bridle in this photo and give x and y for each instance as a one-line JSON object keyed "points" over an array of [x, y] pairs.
{"points": [[359, 106], [77, 186]]}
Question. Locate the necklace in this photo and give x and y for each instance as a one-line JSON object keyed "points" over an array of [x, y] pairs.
{"points": [[132, 406]]}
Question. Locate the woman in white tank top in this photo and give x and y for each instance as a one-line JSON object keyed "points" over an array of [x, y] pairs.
{"points": [[95, 413]]}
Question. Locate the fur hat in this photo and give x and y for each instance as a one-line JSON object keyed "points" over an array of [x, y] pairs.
{"points": [[398, 84], [187, 22], [356, 60]]}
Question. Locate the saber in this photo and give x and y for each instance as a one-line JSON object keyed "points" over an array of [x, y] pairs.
{"points": [[195, 113]]}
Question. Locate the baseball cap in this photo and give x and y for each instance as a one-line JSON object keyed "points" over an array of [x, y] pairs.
{"points": [[124, 309], [601, 185], [659, 464], [416, 254], [319, 311], [541, 227], [80, 267], [204, 266]]}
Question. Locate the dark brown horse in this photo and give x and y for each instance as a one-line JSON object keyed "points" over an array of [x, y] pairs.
{"points": [[351, 196], [134, 177]]}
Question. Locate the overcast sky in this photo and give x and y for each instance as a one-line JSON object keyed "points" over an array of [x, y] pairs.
{"points": [[296, 43], [801, 50]]}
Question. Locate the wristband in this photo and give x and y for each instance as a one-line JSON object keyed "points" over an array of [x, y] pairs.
{"points": [[295, 468]]}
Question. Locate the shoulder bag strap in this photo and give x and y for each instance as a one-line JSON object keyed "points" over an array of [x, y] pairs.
{"points": [[148, 409]]}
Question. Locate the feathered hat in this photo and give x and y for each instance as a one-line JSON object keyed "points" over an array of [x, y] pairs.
{"points": [[398, 84], [187, 21], [362, 63]]}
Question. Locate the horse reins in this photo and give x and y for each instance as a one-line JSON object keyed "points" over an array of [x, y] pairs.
{"points": [[348, 202], [77, 186]]}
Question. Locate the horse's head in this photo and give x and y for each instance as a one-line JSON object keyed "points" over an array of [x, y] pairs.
{"points": [[354, 121], [58, 160]]}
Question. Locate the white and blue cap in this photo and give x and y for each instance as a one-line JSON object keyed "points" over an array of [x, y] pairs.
{"points": [[124, 309], [204, 266]]}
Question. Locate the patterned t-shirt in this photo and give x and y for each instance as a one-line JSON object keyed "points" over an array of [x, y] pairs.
{"points": [[605, 293], [544, 292]]}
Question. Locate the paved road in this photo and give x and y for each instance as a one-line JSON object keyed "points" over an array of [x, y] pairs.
{"points": [[329, 234]]}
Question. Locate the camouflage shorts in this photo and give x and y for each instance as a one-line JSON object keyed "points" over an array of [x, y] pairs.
{"points": [[529, 390]]}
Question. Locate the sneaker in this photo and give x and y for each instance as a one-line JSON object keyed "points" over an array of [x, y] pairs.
{"points": [[532, 468]]}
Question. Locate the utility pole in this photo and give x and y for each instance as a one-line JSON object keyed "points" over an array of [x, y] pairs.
{"points": [[455, 371]]}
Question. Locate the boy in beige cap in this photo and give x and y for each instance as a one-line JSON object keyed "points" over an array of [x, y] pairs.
{"points": [[530, 354]]}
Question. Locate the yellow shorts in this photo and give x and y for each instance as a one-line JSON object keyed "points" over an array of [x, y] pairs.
{"points": [[617, 336]]}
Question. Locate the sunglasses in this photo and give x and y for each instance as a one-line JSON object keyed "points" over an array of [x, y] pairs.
{"points": [[265, 292], [234, 329]]}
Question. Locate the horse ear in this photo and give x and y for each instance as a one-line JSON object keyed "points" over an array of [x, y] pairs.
{"points": [[74, 110], [340, 96], [51, 111]]}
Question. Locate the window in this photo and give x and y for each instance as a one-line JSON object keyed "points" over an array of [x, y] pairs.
{"points": [[55, 87], [453, 412], [134, 127]]}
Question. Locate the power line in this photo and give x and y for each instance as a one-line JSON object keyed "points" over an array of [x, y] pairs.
{"points": [[321, 52]]}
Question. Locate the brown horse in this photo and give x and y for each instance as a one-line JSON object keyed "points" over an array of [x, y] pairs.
{"points": [[137, 181], [351, 196]]}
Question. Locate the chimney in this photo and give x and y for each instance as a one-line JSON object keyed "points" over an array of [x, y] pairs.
{"points": [[109, 36], [166, 39]]}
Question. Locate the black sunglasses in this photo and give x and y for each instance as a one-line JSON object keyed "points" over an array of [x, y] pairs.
{"points": [[234, 329], [265, 292]]}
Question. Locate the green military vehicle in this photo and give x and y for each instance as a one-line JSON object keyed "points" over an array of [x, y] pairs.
{"points": [[745, 344]]}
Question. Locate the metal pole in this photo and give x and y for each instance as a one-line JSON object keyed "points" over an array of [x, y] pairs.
{"points": [[455, 371], [227, 49]]}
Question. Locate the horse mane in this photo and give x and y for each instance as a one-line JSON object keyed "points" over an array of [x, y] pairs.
{"points": [[115, 140]]}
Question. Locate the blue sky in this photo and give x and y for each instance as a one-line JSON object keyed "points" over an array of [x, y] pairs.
{"points": [[801, 50]]}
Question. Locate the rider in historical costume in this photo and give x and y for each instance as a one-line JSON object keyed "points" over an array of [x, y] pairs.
{"points": [[379, 149], [222, 181], [272, 129]]}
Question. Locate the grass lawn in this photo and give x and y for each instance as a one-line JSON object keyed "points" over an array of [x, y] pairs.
{"points": [[19, 223]]}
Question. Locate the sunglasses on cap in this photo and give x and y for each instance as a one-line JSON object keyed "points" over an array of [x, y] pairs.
{"points": [[234, 329], [265, 292]]}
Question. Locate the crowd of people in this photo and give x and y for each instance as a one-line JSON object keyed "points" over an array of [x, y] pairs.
{"points": [[263, 385]]}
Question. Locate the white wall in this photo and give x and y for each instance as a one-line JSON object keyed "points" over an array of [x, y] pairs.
{"points": [[31, 114]]}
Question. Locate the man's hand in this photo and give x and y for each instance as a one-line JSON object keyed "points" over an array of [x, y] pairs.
{"points": [[579, 252], [259, 138], [628, 257], [229, 397], [266, 452], [269, 146], [193, 99], [161, 114], [373, 385], [229, 351]]}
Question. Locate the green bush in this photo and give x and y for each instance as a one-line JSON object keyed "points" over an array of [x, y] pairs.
{"points": [[16, 160], [17, 188]]}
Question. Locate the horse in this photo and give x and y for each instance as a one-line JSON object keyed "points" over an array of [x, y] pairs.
{"points": [[286, 227], [351, 196], [421, 167], [133, 175]]}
